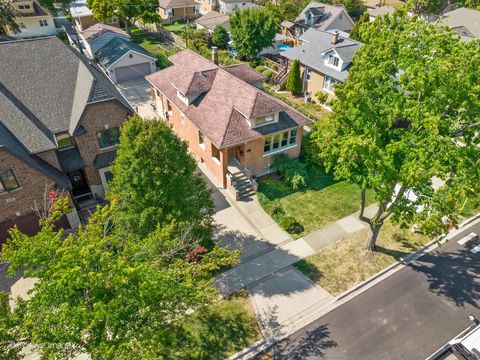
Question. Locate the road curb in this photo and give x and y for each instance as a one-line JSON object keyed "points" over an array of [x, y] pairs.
{"points": [[262, 345]]}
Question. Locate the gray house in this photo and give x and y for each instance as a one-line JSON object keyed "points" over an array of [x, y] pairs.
{"points": [[325, 58]]}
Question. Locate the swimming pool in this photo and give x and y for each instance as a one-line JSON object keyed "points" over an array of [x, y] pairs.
{"points": [[283, 47]]}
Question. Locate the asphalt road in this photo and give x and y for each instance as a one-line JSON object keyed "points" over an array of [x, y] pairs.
{"points": [[407, 316]]}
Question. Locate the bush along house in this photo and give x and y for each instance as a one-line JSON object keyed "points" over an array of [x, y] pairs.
{"points": [[233, 128], [59, 127]]}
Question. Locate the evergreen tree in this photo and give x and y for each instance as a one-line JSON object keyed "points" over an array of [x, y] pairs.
{"points": [[294, 80], [220, 37]]}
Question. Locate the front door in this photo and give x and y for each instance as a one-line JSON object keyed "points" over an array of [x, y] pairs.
{"points": [[79, 183]]}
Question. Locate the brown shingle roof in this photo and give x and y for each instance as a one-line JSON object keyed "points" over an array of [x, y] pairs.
{"points": [[245, 73], [220, 112], [169, 4], [98, 30]]}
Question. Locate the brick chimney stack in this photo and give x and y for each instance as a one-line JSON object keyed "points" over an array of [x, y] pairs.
{"points": [[215, 55], [335, 36]]}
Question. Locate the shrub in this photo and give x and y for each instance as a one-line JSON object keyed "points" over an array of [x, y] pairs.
{"points": [[294, 80], [291, 225], [256, 62], [267, 73], [225, 58], [294, 172], [321, 96], [260, 68]]}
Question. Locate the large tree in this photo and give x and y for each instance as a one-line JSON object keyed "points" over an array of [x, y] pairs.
{"points": [[406, 124], [127, 11], [356, 32], [252, 31], [155, 181], [7, 17], [220, 37]]}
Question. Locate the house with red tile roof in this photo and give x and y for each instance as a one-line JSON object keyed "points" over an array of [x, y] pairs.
{"points": [[233, 128]]}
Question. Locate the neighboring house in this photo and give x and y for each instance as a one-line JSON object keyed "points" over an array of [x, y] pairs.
{"points": [[324, 17], [208, 5], [325, 59], [210, 20], [233, 128], [373, 13], [83, 17], [123, 60], [59, 127], [32, 20], [230, 6], [173, 10], [464, 21], [98, 35]]}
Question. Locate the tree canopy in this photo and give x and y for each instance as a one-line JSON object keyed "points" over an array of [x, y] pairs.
{"points": [[125, 285], [220, 37], [405, 124], [363, 21], [156, 182], [294, 80], [7, 17], [252, 30], [127, 11]]}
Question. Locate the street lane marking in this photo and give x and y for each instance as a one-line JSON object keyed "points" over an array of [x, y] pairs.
{"points": [[476, 249], [467, 238]]}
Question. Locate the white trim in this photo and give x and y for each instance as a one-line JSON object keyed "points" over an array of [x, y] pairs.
{"points": [[129, 51], [279, 150]]}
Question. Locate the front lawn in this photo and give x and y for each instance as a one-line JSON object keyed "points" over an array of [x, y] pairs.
{"points": [[346, 263], [471, 207], [154, 46], [322, 202], [222, 330]]}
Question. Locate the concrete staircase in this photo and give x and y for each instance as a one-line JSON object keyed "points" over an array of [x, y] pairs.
{"points": [[240, 180]]}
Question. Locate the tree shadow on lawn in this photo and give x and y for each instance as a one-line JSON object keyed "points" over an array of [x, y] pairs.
{"points": [[454, 275], [311, 343]]}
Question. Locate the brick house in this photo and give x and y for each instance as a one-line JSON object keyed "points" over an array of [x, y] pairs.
{"points": [[59, 126], [232, 127]]}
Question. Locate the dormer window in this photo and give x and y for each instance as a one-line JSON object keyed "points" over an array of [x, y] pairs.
{"points": [[333, 60], [261, 120], [24, 7], [182, 97], [64, 141]]}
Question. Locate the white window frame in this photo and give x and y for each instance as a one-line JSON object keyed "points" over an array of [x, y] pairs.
{"points": [[329, 84], [292, 141]]}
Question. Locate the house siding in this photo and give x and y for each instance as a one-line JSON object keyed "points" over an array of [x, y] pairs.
{"points": [[207, 5], [51, 158], [98, 117], [178, 13]]}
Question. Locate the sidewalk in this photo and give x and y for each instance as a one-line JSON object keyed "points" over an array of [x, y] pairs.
{"points": [[250, 272]]}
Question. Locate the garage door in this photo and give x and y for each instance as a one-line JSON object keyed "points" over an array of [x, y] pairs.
{"points": [[132, 72]]}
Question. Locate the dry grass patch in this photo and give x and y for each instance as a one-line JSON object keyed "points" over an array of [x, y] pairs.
{"points": [[345, 264]]}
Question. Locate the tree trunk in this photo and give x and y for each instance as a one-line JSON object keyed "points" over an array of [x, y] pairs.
{"points": [[127, 27], [372, 237]]}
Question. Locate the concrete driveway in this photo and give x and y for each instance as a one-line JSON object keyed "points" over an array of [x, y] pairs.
{"points": [[138, 94]]}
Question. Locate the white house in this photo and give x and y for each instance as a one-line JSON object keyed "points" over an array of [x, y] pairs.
{"points": [[230, 6], [98, 35], [32, 20]]}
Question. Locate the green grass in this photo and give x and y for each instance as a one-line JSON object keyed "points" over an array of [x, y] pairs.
{"points": [[346, 263], [153, 46], [178, 28], [222, 330], [322, 202], [471, 208]]}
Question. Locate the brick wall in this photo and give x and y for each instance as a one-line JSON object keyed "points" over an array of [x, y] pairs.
{"points": [[96, 117], [33, 184]]}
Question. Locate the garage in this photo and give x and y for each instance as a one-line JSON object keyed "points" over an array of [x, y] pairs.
{"points": [[131, 72], [123, 60]]}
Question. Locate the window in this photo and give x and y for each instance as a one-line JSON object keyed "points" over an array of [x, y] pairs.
{"points": [[216, 154], [308, 74], [333, 60], [182, 118], [64, 141], [24, 7], [8, 181], [108, 176], [201, 140], [329, 84], [108, 138], [260, 120], [182, 97], [43, 22], [279, 141]]}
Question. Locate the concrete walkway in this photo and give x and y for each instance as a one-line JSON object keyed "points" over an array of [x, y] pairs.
{"points": [[250, 272], [137, 92]]}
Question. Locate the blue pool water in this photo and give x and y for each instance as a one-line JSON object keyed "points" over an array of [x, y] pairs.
{"points": [[284, 47]]}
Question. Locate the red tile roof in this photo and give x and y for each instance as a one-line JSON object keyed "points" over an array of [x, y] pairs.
{"points": [[221, 111]]}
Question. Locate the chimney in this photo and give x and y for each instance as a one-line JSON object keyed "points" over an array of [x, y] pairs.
{"points": [[215, 55], [335, 37]]}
